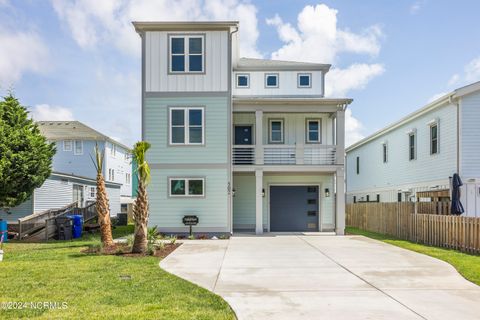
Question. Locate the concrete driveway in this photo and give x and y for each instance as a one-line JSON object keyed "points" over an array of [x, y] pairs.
{"points": [[325, 277]]}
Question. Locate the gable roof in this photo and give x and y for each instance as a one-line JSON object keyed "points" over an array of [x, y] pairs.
{"points": [[447, 98], [71, 130], [250, 64]]}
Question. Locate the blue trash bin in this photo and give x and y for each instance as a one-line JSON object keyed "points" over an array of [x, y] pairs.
{"points": [[4, 230], [77, 225]]}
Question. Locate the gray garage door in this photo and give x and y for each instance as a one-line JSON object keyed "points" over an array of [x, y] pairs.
{"points": [[294, 208]]}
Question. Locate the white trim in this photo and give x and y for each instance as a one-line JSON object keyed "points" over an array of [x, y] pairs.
{"points": [[309, 75], [186, 52], [64, 145], [75, 147], [414, 134], [282, 130], [269, 75], [186, 126], [319, 121], [435, 123], [247, 75], [187, 182]]}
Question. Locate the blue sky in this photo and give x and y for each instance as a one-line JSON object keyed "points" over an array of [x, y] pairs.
{"points": [[80, 59]]}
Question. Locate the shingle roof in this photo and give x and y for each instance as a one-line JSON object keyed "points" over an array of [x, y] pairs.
{"points": [[70, 130], [264, 64]]}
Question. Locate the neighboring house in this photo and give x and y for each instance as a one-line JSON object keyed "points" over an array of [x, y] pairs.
{"points": [[73, 173], [415, 158], [244, 144]]}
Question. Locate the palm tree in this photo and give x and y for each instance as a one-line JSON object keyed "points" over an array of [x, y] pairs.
{"points": [[103, 209], [140, 207]]}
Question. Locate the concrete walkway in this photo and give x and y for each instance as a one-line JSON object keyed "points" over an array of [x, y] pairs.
{"points": [[325, 277]]}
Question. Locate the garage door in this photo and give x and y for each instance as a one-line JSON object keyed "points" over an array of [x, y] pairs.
{"points": [[294, 208]]}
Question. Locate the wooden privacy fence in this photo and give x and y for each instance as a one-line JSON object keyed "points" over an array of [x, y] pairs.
{"points": [[399, 220], [434, 207]]}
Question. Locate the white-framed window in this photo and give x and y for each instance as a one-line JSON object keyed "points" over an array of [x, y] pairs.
{"points": [[314, 127], [67, 145], [412, 148], [78, 147], [127, 178], [243, 80], [271, 80], [187, 53], [126, 157], [187, 126], [304, 80], [186, 187], [434, 141], [111, 174], [93, 192], [275, 131], [113, 150], [385, 152]]}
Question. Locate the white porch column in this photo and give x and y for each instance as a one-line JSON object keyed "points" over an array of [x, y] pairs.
{"points": [[340, 137], [258, 137], [258, 201], [340, 202]]}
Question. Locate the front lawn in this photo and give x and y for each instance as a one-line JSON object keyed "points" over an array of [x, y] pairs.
{"points": [[98, 287], [467, 265]]}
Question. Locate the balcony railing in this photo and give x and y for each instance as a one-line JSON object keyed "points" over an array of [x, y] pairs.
{"points": [[285, 155]]}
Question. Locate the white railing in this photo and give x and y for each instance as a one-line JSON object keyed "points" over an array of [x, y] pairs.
{"points": [[279, 154], [319, 155], [243, 155]]}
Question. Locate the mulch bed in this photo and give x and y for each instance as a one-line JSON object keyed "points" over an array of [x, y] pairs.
{"points": [[124, 250]]}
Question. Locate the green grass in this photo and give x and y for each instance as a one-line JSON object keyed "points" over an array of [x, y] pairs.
{"points": [[467, 265], [92, 286]]}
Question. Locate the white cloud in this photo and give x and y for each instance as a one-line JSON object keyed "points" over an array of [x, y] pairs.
{"points": [[454, 79], [416, 7], [92, 22], [21, 52], [46, 112], [317, 37], [340, 81], [472, 70], [353, 129]]}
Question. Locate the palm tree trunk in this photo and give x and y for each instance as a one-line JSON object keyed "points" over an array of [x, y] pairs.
{"points": [[103, 211], [140, 215]]}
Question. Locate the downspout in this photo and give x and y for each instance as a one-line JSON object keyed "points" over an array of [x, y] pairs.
{"points": [[450, 100]]}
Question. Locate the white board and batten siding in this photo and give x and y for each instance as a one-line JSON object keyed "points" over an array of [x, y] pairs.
{"points": [[287, 84], [158, 78], [399, 172]]}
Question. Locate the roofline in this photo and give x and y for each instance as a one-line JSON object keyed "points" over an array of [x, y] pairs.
{"points": [[447, 98], [295, 101], [141, 26], [101, 135], [310, 67], [68, 175]]}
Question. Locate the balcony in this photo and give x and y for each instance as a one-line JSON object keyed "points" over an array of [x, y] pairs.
{"points": [[284, 155]]}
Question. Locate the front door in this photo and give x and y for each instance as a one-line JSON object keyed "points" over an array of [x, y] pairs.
{"points": [[78, 194], [243, 135], [294, 208]]}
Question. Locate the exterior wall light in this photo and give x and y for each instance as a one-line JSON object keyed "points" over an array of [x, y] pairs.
{"points": [[327, 192], [233, 192], [263, 193]]}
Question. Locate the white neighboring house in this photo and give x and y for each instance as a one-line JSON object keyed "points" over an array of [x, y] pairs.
{"points": [[421, 152]]}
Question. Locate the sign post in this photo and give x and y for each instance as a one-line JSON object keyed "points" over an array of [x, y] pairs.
{"points": [[190, 221]]}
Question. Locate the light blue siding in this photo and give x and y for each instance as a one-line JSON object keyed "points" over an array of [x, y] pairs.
{"points": [[244, 202], [399, 172], [79, 165], [56, 192], [215, 149], [20, 211], [212, 210], [470, 144], [121, 165]]}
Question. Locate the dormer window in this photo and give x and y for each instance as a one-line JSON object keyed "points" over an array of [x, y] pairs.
{"points": [[271, 80], [187, 53], [304, 80], [243, 81]]}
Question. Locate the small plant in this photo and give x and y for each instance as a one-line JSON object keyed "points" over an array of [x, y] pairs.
{"points": [[150, 249], [202, 236], [96, 247], [224, 236], [191, 237], [152, 234], [130, 240], [119, 250], [161, 246], [173, 240]]}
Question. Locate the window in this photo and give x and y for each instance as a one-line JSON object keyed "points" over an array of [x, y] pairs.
{"points": [[187, 187], [126, 157], [368, 198], [113, 150], [276, 131], [358, 165], [92, 192], [354, 199], [243, 81], [399, 197], [271, 80], [111, 174], [304, 80], [186, 126], [378, 197], [434, 138], [67, 145], [411, 146], [127, 178], [187, 54], [78, 147], [385, 152], [313, 131]]}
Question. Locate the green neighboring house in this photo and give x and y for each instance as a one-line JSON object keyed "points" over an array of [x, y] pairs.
{"points": [[244, 144]]}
